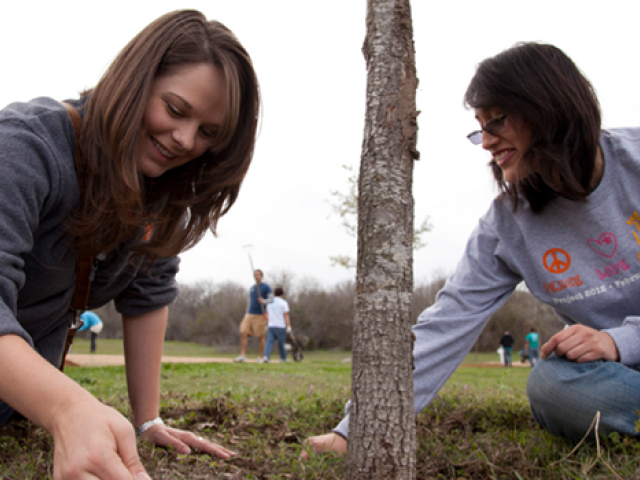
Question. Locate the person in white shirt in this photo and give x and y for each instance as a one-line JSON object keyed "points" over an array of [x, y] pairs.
{"points": [[279, 325]]}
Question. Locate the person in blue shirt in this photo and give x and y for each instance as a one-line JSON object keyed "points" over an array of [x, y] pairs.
{"points": [[254, 323], [91, 322], [532, 347]]}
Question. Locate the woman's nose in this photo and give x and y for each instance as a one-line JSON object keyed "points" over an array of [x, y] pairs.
{"points": [[488, 140], [184, 135]]}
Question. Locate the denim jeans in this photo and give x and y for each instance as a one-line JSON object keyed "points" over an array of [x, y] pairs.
{"points": [[507, 356], [533, 354], [273, 334], [565, 396]]}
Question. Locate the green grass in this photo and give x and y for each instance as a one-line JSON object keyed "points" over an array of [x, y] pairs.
{"points": [[479, 427], [235, 381], [513, 380], [320, 376]]}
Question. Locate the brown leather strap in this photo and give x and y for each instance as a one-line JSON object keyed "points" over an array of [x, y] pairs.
{"points": [[84, 264], [85, 260], [73, 329]]}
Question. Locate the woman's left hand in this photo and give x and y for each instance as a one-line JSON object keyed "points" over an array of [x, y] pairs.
{"points": [[183, 441], [581, 344]]}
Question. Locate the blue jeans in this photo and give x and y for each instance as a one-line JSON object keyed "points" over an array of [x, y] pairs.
{"points": [[533, 354], [507, 356], [565, 396], [273, 334]]}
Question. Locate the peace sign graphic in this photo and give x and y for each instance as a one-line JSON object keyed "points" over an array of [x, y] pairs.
{"points": [[556, 260]]}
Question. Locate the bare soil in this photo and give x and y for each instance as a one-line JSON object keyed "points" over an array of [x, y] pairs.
{"points": [[97, 360]]}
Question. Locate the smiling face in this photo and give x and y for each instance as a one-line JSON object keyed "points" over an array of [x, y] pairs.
{"points": [[509, 146], [182, 116]]}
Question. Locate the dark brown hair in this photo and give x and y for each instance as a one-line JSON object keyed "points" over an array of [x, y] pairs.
{"points": [[540, 85], [185, 201]]}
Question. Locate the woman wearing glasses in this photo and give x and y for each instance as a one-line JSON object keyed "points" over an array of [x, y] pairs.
{"points": [[566, 223]]}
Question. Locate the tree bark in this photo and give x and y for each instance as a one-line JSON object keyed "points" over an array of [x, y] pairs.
{"points": [[382, 422]]}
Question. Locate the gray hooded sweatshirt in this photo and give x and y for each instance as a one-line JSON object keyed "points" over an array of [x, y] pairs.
{"points": [[38, 190], [581, 258]]}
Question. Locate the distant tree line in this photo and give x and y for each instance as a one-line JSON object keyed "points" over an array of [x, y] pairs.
{"points": [[210, 313]]}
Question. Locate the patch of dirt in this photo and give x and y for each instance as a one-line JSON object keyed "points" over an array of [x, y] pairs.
{"points": [[97, 360]]}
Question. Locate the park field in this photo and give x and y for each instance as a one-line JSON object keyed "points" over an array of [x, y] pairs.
{"points": [[478, 427]]}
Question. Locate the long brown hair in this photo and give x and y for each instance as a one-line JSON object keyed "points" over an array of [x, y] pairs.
{"points": [[542, 86], [117, 200]]}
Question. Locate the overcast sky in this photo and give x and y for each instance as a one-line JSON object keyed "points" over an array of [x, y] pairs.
{"points": [[307, 55]]}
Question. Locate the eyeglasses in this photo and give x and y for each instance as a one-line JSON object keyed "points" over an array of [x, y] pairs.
{"points": [[495, 126]]}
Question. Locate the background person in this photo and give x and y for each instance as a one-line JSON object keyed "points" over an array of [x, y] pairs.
{"points": [[254, 323], [279, 325], [167, 138], [507, 344], [93, 323], [567, 212], [531, 346]]}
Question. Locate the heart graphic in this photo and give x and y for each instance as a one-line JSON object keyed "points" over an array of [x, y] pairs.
{"points": [[606, 245]]}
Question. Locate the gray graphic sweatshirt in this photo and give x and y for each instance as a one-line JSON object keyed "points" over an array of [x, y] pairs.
{"points": [[581, 258]]}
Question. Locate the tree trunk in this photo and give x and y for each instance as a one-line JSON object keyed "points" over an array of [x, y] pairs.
{"points": [[382, 425]]}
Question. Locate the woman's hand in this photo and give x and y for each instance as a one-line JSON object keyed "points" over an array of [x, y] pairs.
{"points": [[580, 343], [93, 441], [143, 339], [331, 442], [183, 441]]}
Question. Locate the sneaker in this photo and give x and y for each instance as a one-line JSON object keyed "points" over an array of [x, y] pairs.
{"points": [[240, 359], [262, 360]]}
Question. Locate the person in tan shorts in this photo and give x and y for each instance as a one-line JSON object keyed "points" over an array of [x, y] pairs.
{"points": [[254, 323]]}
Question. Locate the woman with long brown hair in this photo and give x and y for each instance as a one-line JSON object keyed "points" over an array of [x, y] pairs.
{"points": [[167, 137]]}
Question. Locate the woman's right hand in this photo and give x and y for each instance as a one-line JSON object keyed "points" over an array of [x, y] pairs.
{"points": [[580, 343], [93, 441], [330, 442]]}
